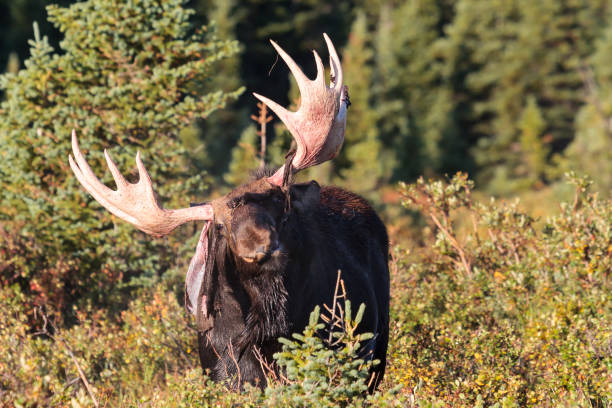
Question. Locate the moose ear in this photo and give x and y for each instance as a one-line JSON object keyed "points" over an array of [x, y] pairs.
{"points": [[199, 282], [305, 196], [195, 275]]}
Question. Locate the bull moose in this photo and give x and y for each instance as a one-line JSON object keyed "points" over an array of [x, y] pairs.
{"points": [[270, 250]]}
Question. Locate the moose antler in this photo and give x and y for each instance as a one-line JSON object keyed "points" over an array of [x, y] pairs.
{"points": [[134, 203], [318, 125]]}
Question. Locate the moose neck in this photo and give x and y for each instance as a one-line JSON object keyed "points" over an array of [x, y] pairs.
{"points": [[266, 315]]}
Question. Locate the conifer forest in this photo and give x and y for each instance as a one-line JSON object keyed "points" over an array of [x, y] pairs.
{"points": [[479, 130]]}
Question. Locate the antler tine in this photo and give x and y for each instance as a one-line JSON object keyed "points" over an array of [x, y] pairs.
{"points": [[143, 177], [334, 63], [88, 179], [119, 180], [283, 114], [320, 69], [318, 125], [87, 175], [134, 203]]}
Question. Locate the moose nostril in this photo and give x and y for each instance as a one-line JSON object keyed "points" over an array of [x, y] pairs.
{"points": [[261, 253], [259, 256]]}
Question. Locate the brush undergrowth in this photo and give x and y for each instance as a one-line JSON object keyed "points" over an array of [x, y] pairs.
{"points": [[515, 311], [512, 311]]}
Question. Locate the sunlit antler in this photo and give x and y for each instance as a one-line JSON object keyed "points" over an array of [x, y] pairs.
{"points": [[318, 125], [134, 203]]}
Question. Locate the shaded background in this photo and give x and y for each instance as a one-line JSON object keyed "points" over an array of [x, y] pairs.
{"points": [[515, 93]]}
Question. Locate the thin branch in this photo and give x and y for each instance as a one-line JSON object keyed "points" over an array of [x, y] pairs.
{"points": [[468, 201], [336, 318], [61, 340], [517, 259], [269, 370], [230, 353], [262, 119], [333, 308], [454, 243], [495, 241], [210, 343]]}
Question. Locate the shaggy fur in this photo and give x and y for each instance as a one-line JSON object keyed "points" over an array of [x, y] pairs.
{"points": [[254, 303]]}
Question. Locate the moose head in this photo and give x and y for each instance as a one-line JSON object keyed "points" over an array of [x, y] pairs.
{"points": [[251, 215]]}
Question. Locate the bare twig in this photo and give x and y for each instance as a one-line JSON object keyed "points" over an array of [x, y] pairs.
{"points": [[58, 338], [468, 201], [269, 369], [464, 261], [212, 346], [71, 382], [495, 241], [371, 380], [333, 308], [510, 241], [230, 353], [336, 311], [262, 119]]}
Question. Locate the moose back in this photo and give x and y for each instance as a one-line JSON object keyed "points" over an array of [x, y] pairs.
{"points": [[270, 250]]}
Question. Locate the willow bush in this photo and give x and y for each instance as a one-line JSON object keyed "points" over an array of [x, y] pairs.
{"points": [[503, 308]]}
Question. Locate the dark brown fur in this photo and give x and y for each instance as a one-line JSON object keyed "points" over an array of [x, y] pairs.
{"points": [[321, 231]]}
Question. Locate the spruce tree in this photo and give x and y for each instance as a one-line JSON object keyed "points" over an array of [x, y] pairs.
{"points": [[413, 94], [507, 51], [16, 18], [590, 152], [533, 147], [591, 149], [129, 76], [360, 161], [244, 157], [215, 136]]}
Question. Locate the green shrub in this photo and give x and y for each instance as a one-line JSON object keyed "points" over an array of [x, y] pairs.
{"points": [[148, 357], [319, 371], [318, 368], [122, 360], [129, 76], [514, 310]]}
